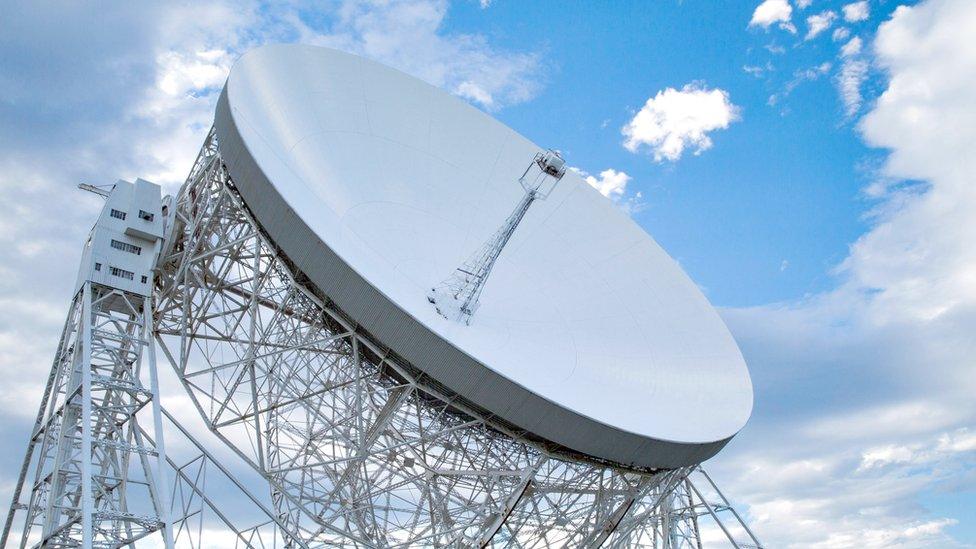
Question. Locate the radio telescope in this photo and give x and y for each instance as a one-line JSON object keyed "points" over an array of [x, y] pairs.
{"points": [[415, 325]]}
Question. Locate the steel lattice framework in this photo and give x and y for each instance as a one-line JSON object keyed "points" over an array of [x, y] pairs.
{"points": [[358, 447], [89, 456]]}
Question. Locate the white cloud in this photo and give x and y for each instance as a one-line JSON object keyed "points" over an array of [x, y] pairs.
{"points": [[829, 501], [853, 73], [887, 420], [799, 77], [408, 36], [753, 70], [934, 452], [613, 185], [962, 440], [818, 23], [851, 48], [877, 457], [927, 118], [856, 11], [800, 473], [772, 12], [811, 73], [889, 349], [929, 528], [803, 4], [182, 72], [674, 120], [758, 70], [474, 92], [840, 33]]}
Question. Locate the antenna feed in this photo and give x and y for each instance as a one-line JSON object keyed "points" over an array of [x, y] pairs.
{"points": [[552, 163], [456, 298]]}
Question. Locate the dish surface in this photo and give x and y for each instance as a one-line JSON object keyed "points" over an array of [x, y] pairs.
{"points": [[377, 186]]}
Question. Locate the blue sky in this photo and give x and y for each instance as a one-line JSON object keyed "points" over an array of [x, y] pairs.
{"points": [[821, 195], [783, 185]]}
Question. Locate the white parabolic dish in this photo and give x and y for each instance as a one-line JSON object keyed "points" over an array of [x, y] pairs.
{"points": [[376, 186]]}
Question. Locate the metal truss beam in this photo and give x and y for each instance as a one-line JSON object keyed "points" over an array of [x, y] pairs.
{"points": [[359, 449], [95, 478]]}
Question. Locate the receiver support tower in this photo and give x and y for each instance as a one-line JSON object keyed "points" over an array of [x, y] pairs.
{"points": [[456, 298], [91, 477]]}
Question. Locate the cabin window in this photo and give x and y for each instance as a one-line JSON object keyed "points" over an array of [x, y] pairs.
{"points": [[121, 273], [126, 247]]}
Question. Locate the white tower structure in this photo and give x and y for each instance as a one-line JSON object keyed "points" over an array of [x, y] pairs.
{"points": [[457, 297], [91, 478]]}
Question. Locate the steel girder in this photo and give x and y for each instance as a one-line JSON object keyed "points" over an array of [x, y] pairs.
{"points": [[358, 447], [90, 477]]}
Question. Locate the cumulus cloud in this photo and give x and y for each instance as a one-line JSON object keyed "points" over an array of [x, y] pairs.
{"points": [[773, 12], [473, 92], [674, 120], [840, 33], [889, 350], [818, 23], [613, 185], [929, 130], [856, 11]]}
